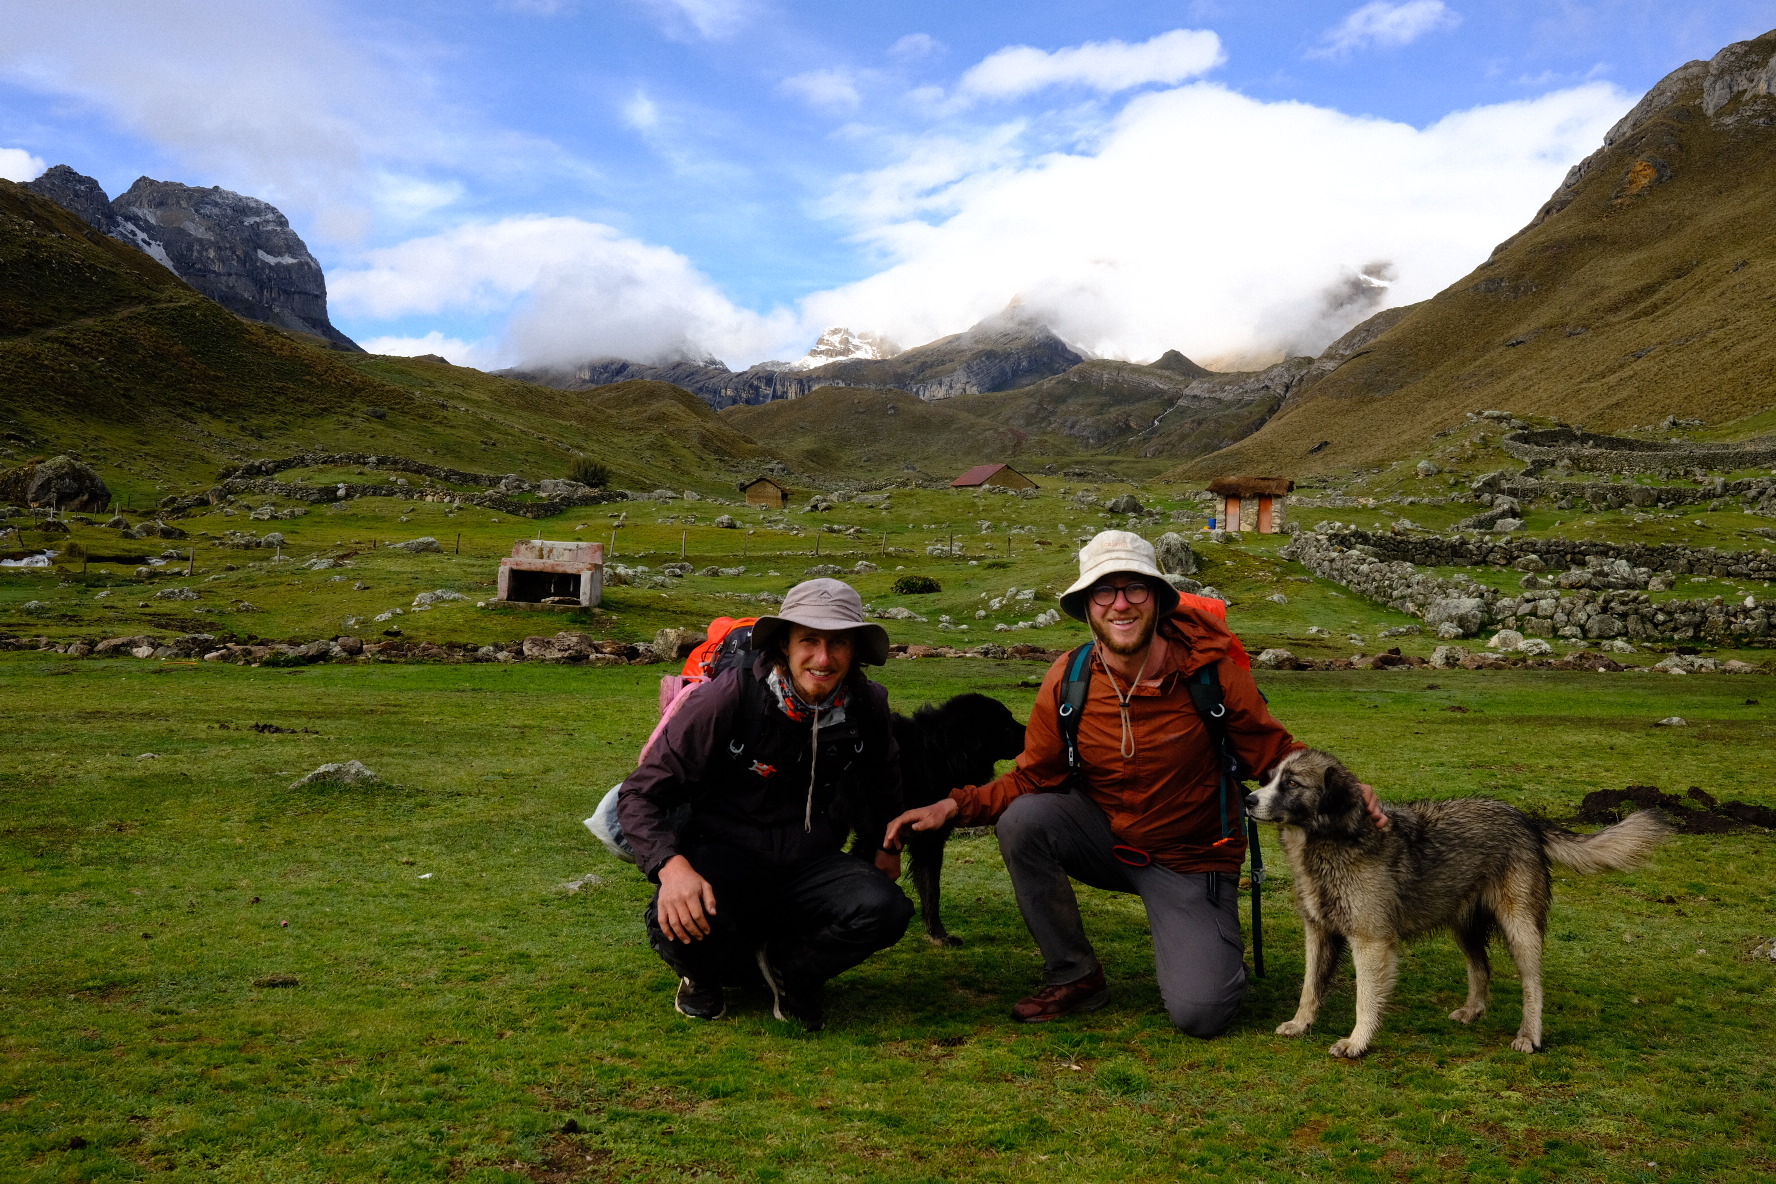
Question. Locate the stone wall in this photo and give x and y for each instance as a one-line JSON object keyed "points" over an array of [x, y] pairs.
{"points": [[1595, 453], [1461, 607], [1429, 550], [1752, 493]]}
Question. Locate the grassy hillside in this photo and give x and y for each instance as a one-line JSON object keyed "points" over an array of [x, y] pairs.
{"points": [[106, 354], [1641, 291], [851, 430], [1109, 406]]}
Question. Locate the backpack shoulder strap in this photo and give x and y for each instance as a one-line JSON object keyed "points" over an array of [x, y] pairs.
{"points": [[1205, 693], [1074, 688], [751, 718]]}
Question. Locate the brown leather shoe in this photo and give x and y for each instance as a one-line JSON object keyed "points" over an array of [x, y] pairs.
{"points": [[1051, 1003]]}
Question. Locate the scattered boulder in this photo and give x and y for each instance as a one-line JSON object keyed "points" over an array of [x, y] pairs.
{"points": [[825, 569], [680, 570], [1504, 640], [60, 482], [411, 546], [1277, 659], [727, 522], [1426, 468], [1448, 657], [176, 594], [342, 773], [1126, 504], [675, 644], [441, 596], [1175, 555], [864, 567]]}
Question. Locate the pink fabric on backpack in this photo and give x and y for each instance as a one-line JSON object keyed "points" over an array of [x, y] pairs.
{"points": [[674, 690]]}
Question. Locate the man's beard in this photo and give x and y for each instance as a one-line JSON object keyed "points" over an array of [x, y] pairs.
{"points": [[1134, 647]]}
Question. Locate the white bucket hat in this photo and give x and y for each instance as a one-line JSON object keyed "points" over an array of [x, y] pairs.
{"points": [[1115, 551]]}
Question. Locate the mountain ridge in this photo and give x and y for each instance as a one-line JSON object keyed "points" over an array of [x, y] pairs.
{"points": [[239, 251]]}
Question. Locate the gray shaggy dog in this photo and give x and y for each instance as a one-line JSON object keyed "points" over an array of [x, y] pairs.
{"points": [[1471, 865]]}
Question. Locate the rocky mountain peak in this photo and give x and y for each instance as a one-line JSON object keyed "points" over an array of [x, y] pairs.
{"points": [[842, 345], [237, 250], [77, 193]]}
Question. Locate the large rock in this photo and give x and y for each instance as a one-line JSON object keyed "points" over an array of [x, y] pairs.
{"points": [[340, 773], [675, 644], [61, 482], [1464, 613], [414, 546], [1174, 553]]}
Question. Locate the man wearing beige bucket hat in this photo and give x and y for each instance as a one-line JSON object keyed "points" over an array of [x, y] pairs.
{"points": [[777, 759], [1134, 799]]}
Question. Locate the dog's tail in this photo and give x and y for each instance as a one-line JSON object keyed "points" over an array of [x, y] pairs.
{"points": [[1615, 848]]}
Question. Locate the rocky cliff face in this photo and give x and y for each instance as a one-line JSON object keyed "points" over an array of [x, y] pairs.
{"points": [[77, 193], [237, 250]]}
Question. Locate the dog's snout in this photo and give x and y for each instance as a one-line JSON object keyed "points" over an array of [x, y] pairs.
{"points": [[1251, 802]]}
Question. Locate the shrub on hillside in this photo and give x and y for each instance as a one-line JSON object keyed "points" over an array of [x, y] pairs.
{"points": [[588, 472], [916, 585]]}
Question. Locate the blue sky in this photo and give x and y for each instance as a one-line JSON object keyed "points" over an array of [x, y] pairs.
{"points": [[540, 180]]}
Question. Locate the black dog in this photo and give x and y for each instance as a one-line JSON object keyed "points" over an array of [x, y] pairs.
{"points": [[943, 748]]}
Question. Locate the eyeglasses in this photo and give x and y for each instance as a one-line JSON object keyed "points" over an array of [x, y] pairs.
{"points": [[1135, 593]]}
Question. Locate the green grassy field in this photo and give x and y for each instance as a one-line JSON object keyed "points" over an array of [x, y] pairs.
{"points": [[1008, 543], [460, 1015]]}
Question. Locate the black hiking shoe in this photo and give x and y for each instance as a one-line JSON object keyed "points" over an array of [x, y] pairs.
{"points": [[792, 1001], [699, 1002]]}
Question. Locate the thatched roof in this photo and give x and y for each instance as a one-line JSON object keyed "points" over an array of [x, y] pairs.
{"points": [[1251, 486]]}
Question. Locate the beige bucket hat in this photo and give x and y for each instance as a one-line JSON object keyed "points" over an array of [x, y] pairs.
{"points": [[1115, 551], [827, 604]]}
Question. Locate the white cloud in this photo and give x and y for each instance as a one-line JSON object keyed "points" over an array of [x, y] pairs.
{"points": [[710, 20], [1381, 24], [915, 46], [575, 289], [1203, 220], [829, 90], [1106, 66], [451, 349], [18, 165], [266, 97]]}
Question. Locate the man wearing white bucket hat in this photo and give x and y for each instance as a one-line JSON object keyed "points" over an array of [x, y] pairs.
{"points": [[777, 759], [1131, 797]]}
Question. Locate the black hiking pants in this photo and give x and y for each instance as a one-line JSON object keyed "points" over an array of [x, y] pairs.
{"points": [[815, 919]]}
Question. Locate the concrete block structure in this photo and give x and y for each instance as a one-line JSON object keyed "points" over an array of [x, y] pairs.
{"points": [[542, 572]]}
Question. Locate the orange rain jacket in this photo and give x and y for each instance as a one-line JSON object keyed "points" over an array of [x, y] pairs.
{"points": [[1166, 799]]}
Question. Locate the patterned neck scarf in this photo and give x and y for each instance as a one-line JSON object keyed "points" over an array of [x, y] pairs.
{"points": [[818, 715], [791, 703]]}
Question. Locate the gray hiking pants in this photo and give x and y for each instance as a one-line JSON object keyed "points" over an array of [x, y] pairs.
{"points": [[1049, 839]]}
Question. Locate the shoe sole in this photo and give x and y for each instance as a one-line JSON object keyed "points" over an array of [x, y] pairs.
{"points": [[1091, 1004]]}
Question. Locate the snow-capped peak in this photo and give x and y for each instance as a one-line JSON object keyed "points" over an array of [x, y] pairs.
{"points": [[842, 345]]}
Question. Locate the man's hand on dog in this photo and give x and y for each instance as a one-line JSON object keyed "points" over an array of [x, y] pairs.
{"points": [[924, 818], [687, 901], [1372, 804]]}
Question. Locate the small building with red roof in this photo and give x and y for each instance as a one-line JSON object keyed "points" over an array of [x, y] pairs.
{"points": [[1001, 475]]}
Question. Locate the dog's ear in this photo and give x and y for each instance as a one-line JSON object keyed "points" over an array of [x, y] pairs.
{"points": [[1341, 796]]}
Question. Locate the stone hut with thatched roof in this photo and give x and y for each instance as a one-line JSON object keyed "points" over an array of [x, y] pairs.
{"points": [[1251, 503]]}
